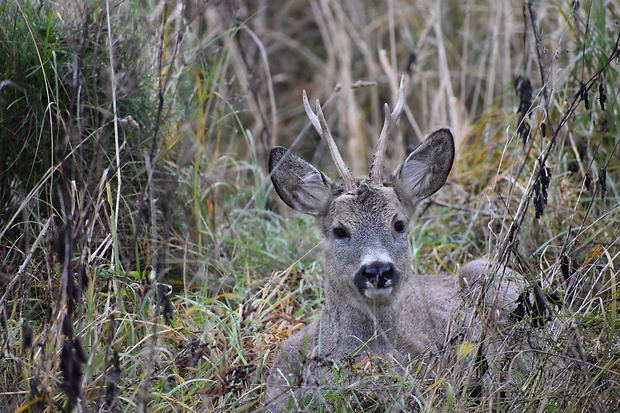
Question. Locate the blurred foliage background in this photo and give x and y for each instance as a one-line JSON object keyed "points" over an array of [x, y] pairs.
{"points": [[145, 262]]}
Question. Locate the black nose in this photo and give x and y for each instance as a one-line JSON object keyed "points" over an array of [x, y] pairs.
{"points": [[377, 275], [378, 270]]}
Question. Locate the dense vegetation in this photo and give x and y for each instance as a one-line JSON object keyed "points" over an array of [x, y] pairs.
{"points": [[145, 263]]}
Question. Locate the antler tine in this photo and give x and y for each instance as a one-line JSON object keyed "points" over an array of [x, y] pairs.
{"points": [[376, 169], [321, 127]]}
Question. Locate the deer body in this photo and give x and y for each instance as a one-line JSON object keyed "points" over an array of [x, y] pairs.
{"points": [[374, 304]]}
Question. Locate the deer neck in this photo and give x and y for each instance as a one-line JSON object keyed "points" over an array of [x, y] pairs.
{"points": [[360, 324]]}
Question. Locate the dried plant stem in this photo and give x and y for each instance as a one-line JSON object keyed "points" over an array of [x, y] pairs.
{"points": [[22, 268]]}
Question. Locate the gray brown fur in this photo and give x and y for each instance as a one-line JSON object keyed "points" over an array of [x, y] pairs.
{"points": [[396, 313]]}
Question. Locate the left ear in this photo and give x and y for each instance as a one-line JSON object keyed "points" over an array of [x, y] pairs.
{"points": [[426, 169], [299, 184]]}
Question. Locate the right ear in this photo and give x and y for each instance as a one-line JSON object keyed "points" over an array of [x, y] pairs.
{"points": [[426, 169], [299, 184]]}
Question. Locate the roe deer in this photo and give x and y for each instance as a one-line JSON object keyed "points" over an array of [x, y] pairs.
{"points": [[374, 304]]}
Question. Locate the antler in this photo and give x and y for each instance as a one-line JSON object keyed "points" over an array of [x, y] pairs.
{"points": [[321, 127], [376, 169]]}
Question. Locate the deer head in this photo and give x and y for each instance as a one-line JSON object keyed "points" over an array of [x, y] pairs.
{"points": [[364, 220]]}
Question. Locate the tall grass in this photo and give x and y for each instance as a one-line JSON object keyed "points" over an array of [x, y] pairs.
{"points": [[146, 264]]}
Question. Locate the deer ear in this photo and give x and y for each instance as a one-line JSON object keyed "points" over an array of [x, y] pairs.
{"points": [[426, 169], [299, 184]]}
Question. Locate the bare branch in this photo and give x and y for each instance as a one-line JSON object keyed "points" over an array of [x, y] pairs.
{"points": [[321, 127], [376, 169]]}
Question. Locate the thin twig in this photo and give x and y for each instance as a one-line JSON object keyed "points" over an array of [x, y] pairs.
{"points": [[546, 92], [22, 268], [542, 158]]}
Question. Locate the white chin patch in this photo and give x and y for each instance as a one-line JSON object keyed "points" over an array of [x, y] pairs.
{"points": [[374, 293]]}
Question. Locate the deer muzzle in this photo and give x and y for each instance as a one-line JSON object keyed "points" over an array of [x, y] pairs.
{"points": [[376, 280]]}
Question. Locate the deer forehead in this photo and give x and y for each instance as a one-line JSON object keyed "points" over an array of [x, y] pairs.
{"points": [[369, 206]]}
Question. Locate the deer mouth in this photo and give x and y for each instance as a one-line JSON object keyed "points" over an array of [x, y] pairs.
{"points": [[376, 280], [376, 293]]}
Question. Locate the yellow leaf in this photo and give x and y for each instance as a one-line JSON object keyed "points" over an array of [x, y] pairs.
{"points": [[464, 349]]}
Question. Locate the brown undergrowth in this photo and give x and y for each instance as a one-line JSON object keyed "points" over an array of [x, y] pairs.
{"points": [[145, 263]]}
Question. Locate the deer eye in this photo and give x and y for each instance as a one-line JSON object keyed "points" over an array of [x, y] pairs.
{"points": [[340, 233], [399, 226]]}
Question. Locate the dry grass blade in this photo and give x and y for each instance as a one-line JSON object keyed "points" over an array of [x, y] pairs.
{"points": [[140, 237]]}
